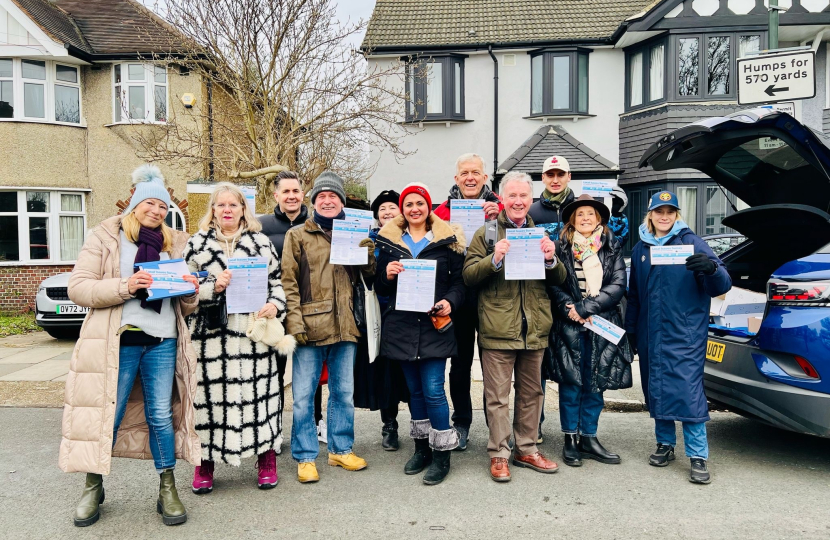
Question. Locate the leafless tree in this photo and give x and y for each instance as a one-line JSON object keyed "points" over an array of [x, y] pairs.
{"points": [[282, 90]]}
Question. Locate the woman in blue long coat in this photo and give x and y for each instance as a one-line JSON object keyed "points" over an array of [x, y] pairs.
{"points": [[667, 322]]}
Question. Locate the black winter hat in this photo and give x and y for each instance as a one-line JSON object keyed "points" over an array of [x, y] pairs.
{"points": [[386, 196]]}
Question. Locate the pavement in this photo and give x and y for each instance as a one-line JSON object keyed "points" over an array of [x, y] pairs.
{"points": [[767, 484], [33, 368]]}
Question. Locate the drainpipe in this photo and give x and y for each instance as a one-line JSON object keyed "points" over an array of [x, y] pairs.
{"points": [[495, 116]]}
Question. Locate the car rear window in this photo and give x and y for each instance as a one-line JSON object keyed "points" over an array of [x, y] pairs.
{"points": [[765, 153]]}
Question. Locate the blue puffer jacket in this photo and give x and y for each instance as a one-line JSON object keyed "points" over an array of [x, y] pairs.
{"points": [[668, 310]]}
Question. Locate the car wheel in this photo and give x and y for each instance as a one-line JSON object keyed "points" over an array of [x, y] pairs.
{"points": [[63, 333]]}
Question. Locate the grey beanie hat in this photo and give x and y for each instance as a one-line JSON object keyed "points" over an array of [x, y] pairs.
{"points": [[328, 181]]}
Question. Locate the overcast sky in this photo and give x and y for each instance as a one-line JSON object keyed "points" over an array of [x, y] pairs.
{"points": [[355, 10]]}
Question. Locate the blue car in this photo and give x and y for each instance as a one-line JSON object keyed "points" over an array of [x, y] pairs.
{"points": [[781, 169]]}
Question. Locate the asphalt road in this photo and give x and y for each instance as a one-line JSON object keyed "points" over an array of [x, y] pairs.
{"points": [[767, 484]]}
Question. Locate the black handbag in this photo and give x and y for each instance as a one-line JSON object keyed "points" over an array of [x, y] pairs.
{"points": [[216, 315], [359, 304]]}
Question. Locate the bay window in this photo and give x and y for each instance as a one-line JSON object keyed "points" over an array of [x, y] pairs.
{"points": [[140, 92], [686, 67], [40, 91], [39, 225], [559, 82]]}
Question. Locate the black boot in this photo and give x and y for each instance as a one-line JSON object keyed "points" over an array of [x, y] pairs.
{"points": [[439, 469], [590, 448], [420, 459], [86, 513], [168, 505], [390, 438], [700, 472], [570, 451]]}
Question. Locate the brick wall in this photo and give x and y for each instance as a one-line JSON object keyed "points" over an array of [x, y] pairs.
{"points": [[18, 285]]}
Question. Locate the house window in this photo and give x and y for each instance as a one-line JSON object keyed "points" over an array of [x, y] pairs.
{"points": [[39, 90], [175, 218], [559, 83], [705, 64], [646, 75], [6, 88], [41, 226], [687, 198], [435, 89], [140, 92]]}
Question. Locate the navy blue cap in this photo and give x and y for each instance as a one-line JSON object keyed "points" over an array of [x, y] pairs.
{"points": [[664, 198]]}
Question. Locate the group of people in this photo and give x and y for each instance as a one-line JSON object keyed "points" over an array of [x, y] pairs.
{"points": [[183, 378]]}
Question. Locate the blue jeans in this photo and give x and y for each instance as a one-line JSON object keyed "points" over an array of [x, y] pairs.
{"points": [[427, 399], [156, 365], [306, 367], [579, 408], [694, 437]]}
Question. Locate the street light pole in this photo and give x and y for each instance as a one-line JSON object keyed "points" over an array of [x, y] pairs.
{"points": [[773, 24]]}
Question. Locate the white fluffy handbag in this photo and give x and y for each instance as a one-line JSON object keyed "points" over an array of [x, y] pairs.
{"points": [[372, 321], [270, 332]]}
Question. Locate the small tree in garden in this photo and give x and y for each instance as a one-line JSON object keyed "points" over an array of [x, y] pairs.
{"points": [[282, 90]]}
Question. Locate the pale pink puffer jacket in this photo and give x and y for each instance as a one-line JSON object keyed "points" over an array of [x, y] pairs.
{"points": [[91, 386]]}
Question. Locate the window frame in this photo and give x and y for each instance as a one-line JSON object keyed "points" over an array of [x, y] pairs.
{"points": [[148, 84], [49, 84], [645, 48], [574, 54], [670, 66], [53, 232], [703, 36], [175, 214], [416, 106]]}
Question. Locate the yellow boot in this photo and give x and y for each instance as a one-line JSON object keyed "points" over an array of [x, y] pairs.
{"points": [[349, 461], [307, 473]]}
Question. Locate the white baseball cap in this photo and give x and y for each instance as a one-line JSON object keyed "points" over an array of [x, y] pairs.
{"points": [[556, 162]]}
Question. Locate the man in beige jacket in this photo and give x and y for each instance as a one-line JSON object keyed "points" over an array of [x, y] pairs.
{"points": [[320, 316]]}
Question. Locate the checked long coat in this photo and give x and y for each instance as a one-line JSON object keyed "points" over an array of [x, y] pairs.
{"points": [[237, 402]]}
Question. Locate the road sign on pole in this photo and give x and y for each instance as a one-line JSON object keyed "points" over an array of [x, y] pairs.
{"points": [[768, 78]]}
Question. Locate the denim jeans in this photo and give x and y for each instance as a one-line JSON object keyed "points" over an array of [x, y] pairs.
{"points": [[694, 437], [306, 367], [579, 408], [427, 399], [156, 365]]}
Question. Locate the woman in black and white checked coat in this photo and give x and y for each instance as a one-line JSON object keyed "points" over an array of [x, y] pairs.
{"points": [[238, 410]]}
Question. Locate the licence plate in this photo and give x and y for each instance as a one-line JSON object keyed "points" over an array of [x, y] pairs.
{"points": [[714, 351], [71, 309]]}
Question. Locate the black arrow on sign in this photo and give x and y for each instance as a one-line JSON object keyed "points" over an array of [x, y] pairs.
{"points": [[771, 90]]}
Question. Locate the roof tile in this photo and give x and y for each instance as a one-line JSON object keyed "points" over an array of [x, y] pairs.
{"points": [[429, 23]]}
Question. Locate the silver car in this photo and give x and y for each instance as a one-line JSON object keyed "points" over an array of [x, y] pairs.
{"points": [[56, 313]]}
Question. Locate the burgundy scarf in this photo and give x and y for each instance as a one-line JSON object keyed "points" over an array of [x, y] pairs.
{"points": [[149, 242]]}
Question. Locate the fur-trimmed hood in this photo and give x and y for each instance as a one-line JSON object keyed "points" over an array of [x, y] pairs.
{"points": [[441, 230]]}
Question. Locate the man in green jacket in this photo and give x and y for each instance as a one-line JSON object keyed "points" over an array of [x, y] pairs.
{"points": [[514, 321]]}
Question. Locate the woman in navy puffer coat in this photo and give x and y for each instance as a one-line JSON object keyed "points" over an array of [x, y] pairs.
{"points": [[667, 321]]}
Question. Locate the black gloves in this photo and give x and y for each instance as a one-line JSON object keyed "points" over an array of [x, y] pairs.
{"points": [[699, 262]]}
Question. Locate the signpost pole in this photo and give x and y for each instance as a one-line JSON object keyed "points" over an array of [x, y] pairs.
{"points": [[773, 24]]}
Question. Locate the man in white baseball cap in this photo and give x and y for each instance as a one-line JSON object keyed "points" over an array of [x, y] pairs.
{"points": [[547, 213]]}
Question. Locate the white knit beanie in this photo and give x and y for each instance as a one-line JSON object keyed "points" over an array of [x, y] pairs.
{"points": [[149, 184]]}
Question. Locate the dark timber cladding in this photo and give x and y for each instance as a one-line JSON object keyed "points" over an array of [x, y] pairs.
{"points": [[758, 16], [639, 130]]}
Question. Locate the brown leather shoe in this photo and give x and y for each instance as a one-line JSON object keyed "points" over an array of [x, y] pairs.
{"points": [[537, 462], [499, 469]]}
